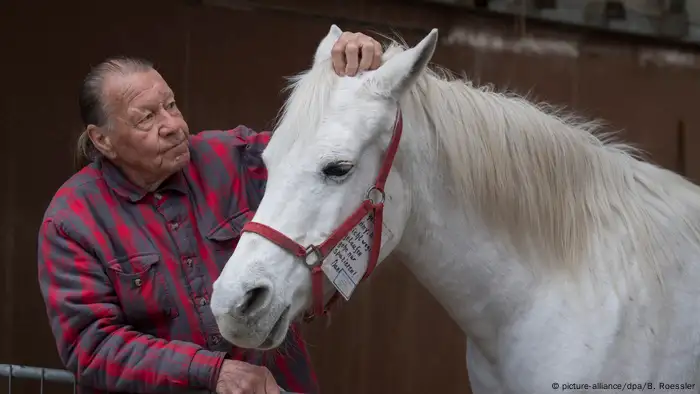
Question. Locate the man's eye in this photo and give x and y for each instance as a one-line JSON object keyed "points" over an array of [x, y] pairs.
{"points": [[338, 169]]}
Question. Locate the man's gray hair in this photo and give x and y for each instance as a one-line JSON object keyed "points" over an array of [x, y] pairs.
{"points": [[93, 109]]}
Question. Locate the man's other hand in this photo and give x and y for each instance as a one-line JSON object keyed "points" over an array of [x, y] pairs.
{"points": [[237, 377]]}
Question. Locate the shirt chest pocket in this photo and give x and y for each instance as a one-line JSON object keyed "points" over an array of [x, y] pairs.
{"points": [[224, 236], [142, 289]]}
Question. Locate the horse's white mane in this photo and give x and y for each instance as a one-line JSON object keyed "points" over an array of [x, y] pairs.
{"points": [[535, 175]]}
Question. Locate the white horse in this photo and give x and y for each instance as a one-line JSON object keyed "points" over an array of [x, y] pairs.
{"points": [[569, 263]]}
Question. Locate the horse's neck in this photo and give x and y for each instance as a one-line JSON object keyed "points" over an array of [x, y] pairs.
{"points": [[479, 283]]}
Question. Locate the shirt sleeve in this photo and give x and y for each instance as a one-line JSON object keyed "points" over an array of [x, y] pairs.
{"points": [[255, 143], [93, 340], [249, 146]]}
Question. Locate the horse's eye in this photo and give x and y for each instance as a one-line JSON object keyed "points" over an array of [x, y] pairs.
{"points": [[338, 169]]}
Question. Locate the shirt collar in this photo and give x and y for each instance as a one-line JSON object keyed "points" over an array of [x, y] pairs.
{"points": [[118, 182]]}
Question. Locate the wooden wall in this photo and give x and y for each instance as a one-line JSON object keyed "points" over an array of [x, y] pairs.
{"points": [[226, 66]]}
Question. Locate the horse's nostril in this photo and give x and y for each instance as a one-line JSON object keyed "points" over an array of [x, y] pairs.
{"points": [[253, 300]]}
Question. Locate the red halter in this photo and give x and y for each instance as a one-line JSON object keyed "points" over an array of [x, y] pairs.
{"points": [[321, 251]]}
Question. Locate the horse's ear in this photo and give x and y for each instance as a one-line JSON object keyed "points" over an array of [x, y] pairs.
{"points": [[323, 51], [397, 75]]}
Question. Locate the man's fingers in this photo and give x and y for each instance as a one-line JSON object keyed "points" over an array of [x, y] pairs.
{"points": [[271, 386], [354, 52], [338, 55], [247, 387], [367, 55], [352, 55], [243, 378]]}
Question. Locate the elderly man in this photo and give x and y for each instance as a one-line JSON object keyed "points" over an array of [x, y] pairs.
{"points": [[130, 246]]}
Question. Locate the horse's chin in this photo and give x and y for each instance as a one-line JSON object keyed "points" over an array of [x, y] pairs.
{"points": [[274, 340], [277, 333], [266, 335]]}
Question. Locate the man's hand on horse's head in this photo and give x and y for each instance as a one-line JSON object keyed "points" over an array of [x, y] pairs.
{"points": [[355, 52]]}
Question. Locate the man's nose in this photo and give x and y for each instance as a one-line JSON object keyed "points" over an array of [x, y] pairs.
{"points": [[169, 126], [167, 131]]}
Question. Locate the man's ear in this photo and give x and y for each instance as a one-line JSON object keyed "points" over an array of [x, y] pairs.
{"points": [[399, 73], [101, 140], [323, 51]]}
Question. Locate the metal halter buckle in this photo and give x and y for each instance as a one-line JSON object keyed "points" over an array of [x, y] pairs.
{"points": [[312, 250], [381, 195]]}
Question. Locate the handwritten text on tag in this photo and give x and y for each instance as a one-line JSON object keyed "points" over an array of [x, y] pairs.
{"points": [[347, 262]]}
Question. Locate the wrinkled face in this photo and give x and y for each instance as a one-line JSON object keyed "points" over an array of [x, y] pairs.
{"points": [[315, 181], [149, 135]]}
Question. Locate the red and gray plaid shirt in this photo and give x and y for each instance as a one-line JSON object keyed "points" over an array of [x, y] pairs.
{"points": [[127, 275]]}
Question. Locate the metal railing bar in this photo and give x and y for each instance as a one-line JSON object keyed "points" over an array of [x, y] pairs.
{"points": [[36, 373], [50, 374]]}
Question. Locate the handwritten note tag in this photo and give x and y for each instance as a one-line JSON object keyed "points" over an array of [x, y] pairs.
{"points": [[347, 262]]}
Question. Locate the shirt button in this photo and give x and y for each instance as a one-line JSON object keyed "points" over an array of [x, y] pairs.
{"points": [[201, 301], [174, 226], [158, 196], [188, 262], [138, 282], [215, 339]]}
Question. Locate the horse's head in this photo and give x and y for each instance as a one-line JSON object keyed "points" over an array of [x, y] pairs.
{"points": [[324, 157]]}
